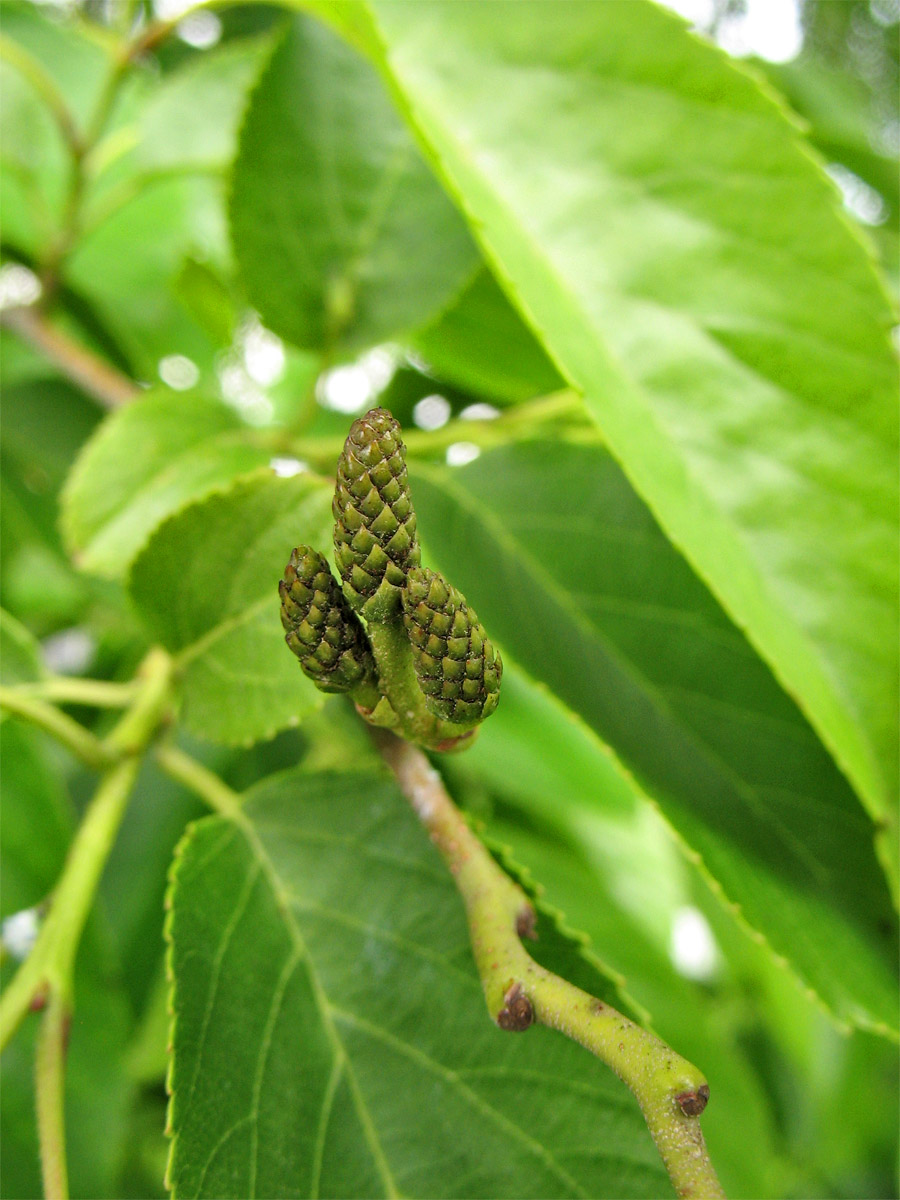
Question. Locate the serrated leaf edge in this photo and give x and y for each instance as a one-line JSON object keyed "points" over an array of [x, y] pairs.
{"points": [[104, 433], [583, 944], [245, 481], [175, 866]]}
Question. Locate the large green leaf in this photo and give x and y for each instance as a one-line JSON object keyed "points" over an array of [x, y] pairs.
{"points": [[145, 462], [207, 586], [665, 231], [568, 569], [330, 1036], [329, 185]]}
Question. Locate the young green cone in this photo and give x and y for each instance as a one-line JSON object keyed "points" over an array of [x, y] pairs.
{"points": [[457, 667], [321, 628], [375, 525]]}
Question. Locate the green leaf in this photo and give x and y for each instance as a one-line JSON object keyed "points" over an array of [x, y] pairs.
{"points": [[568, 570], [480, 343], [670, 238], [329, 185], [147, 461], [191, 120], [330, 1036], [545, 752], [207, 587]]}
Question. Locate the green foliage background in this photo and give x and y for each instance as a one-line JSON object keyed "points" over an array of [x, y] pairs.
{"points": [[680, 528]]}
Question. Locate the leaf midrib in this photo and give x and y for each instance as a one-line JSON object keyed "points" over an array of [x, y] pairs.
{"points": [[202, 644], [87, 537]]}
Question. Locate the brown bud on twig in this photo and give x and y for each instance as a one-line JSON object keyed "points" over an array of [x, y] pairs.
{"points": [[692, 1104], [517, 1012]]}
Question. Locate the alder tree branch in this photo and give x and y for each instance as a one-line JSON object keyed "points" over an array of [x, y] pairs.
{"points": [[87, 370], [519, 992]]}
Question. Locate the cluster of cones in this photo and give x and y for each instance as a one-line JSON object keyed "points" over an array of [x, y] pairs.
{"points": [[378, 557]]}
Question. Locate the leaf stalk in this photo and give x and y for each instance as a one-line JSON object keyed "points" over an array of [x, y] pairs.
{"points": [[45, 979], [80, 741], [64, 689], [200, 780]]}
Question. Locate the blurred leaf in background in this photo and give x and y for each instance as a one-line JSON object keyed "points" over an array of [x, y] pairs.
{"points": [[625, 281]]}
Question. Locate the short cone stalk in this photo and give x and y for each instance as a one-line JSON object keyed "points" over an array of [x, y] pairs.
{"points": [[457, 667], [422, 664]]}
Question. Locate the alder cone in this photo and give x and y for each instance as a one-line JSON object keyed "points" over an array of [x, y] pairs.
{"points": [[321, 628], [375, 524], [456, 665]]}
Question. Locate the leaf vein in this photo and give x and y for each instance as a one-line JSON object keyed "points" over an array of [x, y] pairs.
{"points": [[473, 1098]]}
